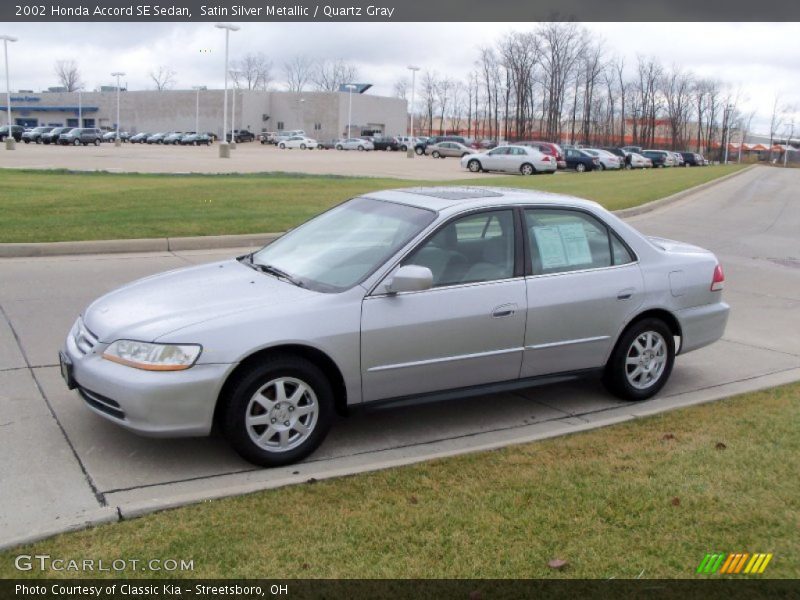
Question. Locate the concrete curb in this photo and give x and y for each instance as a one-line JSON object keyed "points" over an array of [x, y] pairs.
{"points": [[106, 514], [661, 202], [213, 242]]}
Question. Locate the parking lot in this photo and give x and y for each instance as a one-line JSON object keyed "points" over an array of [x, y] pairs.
{"points": [[64, 466], [250, 157]]}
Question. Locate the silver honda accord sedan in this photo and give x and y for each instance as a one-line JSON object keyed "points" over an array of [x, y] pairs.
{"points": [[419, 292]]}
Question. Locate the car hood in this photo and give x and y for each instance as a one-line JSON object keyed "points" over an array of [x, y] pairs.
{"points": [[155, 306]]}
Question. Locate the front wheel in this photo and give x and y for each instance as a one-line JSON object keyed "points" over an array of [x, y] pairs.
{"points": [[361, 148], [404, 148], [76, 143], [435, 154], [339, 148], [279, 411], [282, 146], [642, 360], [97, 142], [527, 169], [302, 146], [474, 166]]}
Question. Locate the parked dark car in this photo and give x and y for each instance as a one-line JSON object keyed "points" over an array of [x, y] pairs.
{"points": [[580, 161], [329, 145], [693, 159], [195, 139], [139, 138], [385, 143], [548, 148], [157, 138], [35, 135], [175, 137], [81, 136], [660, 158], [241, 135], [16, 132], [51, 137], [111, 136], [420, 146], [623, 154]]}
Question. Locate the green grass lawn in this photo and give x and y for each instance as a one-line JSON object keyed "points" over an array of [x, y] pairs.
{"points": [[48, 206], [644, 498]]}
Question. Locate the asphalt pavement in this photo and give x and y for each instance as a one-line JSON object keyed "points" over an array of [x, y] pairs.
{"points": [[63, 467]]}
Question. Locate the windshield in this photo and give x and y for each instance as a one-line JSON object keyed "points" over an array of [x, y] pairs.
{"points": [[341, 247]]}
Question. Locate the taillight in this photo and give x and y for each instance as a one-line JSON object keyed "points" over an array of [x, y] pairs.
{"points": [[718, 281]]}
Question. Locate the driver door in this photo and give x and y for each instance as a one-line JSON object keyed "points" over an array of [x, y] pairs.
{"points": [[468, 329]]}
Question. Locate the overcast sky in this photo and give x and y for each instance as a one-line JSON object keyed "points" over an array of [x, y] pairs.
{"points": [[758, 59]]}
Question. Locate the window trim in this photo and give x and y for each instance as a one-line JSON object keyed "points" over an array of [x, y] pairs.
{"points": [[609, 231], [519, 254]]}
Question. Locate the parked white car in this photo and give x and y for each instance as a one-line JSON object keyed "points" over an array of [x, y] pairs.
{"points": [[511, 159], [607, 160], [355, 144], [298, 141], [640, 162]]}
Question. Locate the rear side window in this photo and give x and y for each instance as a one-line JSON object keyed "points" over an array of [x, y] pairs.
{"points": [[569, 240]]}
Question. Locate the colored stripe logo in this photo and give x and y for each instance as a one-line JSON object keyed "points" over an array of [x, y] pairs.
{"points": [[734, 563]]}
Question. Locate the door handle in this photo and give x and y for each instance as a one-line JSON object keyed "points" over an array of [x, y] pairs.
{"points": [[504, 310], [625, 294]]}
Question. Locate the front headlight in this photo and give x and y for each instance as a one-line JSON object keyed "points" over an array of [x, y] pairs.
{"points": [[153, 357]]}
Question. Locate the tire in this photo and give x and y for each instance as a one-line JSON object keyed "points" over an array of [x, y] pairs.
{"points": [[361, 148], [38, 141], [282, 146], [580, 167], [419, 151], [302, 146], [27, 141], [435, 154], [404, 148], [602, 167], [253, 394], [474, 166], [339, 147], [76, 143], [96, 142], [641, 379], [527, 169]]}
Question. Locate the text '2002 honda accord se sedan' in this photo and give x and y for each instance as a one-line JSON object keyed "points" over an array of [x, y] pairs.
{"points": [[392, 295]]}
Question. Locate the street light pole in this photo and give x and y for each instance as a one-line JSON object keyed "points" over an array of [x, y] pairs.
{"points": [[80, 109], [235, 75], [410, 153], [224, 148], [350, 87], [117, 141], [197, 88], [10, 137]]}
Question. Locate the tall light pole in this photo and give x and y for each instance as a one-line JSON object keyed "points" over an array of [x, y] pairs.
{"points": [[117, 74], [224, 148], [80, 109], [726, 133], [197, 88], [350, 87], [788, 145], [235, 75], [410, 150], [9, 138]]}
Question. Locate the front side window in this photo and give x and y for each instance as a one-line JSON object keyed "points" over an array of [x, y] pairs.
{"points": [[571, 240], [341, 247], [498, 151], [474, 248]]}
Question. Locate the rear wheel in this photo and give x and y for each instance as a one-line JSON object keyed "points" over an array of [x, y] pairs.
{"points": [[76, 143], [302, 146], [278, 412], [361, 148], [642, 360], [282, 146], [527, 169], [339, 147], [419, 151], [580, 167], [96, 142]]}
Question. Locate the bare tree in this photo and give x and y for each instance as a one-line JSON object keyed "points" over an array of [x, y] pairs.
{"points": [[298, 73], [255, 71], [401, 89], [677, 87], [68, 75], [329, 76], [430, 85], [164, 78]]}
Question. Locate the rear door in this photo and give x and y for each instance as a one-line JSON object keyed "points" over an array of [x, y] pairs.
{"points": [[585, 284]]}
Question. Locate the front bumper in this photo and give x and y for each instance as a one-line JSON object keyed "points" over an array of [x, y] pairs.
{"points": [[152, 403]]}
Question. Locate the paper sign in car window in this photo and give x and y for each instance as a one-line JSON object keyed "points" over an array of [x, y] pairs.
{"points": [[551, 249], [576, 246]]}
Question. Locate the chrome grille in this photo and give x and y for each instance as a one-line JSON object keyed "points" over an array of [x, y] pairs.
{"points": [[85, 340]]}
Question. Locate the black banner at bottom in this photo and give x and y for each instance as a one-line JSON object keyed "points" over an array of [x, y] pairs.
{"points": [[439, 589]]}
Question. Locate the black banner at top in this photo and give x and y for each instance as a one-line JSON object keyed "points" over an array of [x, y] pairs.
{"points": [[400, 10]]}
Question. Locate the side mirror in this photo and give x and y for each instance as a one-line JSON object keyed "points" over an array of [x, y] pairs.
{"points": [[410, 278]]}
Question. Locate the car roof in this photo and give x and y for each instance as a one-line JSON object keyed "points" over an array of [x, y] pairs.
{"points": [[440, 198]]}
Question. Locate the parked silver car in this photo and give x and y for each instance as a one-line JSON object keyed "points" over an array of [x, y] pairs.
{"points": [[354, 144], [524, 160], [445, 149], [608, 161], [394, 294]]}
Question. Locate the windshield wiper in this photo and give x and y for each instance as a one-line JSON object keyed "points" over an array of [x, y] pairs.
{"points": [[271, 270]]}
